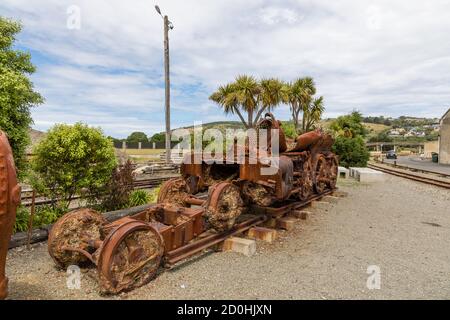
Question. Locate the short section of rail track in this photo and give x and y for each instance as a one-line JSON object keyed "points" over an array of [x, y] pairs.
{"points": [[410, 175], [137, 184]]}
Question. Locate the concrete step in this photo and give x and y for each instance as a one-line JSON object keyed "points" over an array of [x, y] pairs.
{"points": [[301, 214], [243, 246], [320, 205], [264, 234], [287, 223]]}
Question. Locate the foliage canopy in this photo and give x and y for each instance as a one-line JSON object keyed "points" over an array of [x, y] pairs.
{"points": [[71, 160], [17, 95], [350, 145]]}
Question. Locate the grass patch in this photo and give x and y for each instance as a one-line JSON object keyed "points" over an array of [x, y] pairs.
{"points": [[142, 152]]}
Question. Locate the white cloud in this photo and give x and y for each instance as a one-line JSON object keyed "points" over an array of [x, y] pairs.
{"points": [[380, 57]]}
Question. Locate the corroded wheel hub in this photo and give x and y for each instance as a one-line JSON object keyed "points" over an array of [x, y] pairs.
{"points": [[129, 256], [306, 181], [332, 171], [321, 169], [173, 191], [223, 206], [73, 232]]}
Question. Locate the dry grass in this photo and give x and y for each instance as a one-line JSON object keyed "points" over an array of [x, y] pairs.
{"points": [[143, 152], [375, 128]]}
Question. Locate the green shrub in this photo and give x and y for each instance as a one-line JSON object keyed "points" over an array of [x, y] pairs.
{"points": [[22, 218], [352, 152], [43, 215], [289, 130], [17, 94], [139, 198], [47, 214], [154, 195], [73, 160], [349, 144]]}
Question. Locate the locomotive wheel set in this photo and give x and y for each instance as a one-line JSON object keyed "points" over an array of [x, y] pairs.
{"points": [[186, 220]]}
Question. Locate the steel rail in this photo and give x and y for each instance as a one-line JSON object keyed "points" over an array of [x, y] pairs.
{"points": [[427, 180]]}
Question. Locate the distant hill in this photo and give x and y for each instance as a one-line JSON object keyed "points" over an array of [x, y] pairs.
{"points": [[36, 136], [220, 125]]}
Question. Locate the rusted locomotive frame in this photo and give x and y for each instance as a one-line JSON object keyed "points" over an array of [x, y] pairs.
{"points": [[197, 246], [125, 259], [128, 252], [9, 200]]}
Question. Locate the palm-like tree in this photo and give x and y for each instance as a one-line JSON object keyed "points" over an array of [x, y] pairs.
{"points": [[298, 96], [270, 95], [314, 113], [227, 98], [248, 95], [308, 90]]}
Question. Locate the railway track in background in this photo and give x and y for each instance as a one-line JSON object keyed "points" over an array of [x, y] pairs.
{"points": [[410, 175], [138, 184]]}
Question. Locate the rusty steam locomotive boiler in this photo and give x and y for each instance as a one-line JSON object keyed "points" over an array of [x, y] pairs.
{"points": [[9, 200], [186, 220]]}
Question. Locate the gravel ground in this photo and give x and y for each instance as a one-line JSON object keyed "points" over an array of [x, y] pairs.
{"points": [[400, 225]]}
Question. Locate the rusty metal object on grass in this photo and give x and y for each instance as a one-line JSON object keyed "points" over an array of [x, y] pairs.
{"points": [[9, 200]]}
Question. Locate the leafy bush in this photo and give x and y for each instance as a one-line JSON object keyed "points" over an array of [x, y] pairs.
{"points": [[17, 95], [47, 214], [22, 218], [352, 152], [154, 195], [139, 198], [119, 188], [43, 215], [349, 125], [350, 145], [289, 130], [71, 160]]}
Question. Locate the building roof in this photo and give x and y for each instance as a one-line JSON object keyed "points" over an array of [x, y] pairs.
{"points": [[447, 114]]}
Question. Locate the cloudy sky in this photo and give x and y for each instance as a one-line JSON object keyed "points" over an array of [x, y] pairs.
{"points": [[380, 57]]}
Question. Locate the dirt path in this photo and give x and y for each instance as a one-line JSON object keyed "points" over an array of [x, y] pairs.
{"points": [[401, 226]]}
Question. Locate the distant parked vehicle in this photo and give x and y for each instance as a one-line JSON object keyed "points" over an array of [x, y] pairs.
{"points": [[391, 155]]}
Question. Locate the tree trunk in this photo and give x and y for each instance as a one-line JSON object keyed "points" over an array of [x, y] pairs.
{"points": [[250, 118], [304, 121], [242, 118]]}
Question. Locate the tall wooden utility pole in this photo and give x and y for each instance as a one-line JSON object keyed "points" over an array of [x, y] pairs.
{"points": [[167, 25], [167, 77]]}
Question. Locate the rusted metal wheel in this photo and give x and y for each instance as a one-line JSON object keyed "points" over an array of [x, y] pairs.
{"points": [[70, 235], [129, 257], [333, 166], [306, 180], [320, 171], [223, 206], [173, 191]]}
